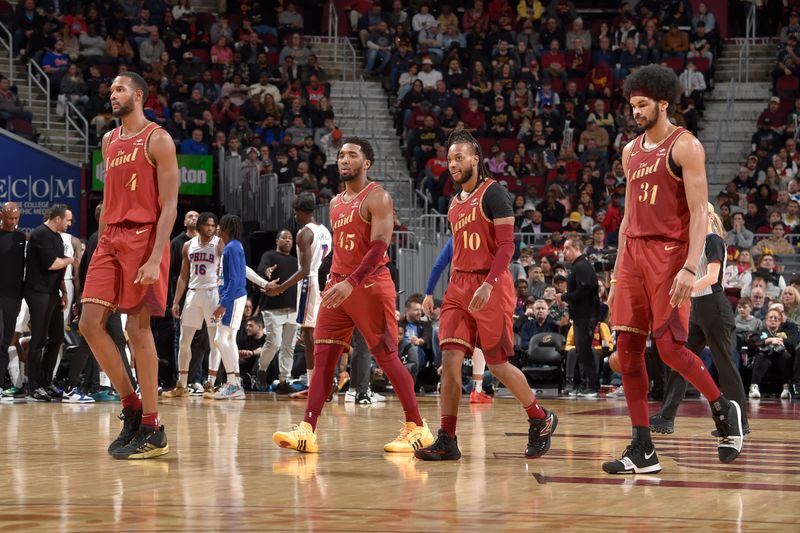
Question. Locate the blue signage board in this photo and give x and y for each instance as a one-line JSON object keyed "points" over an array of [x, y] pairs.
{"points": [[35, 180]]}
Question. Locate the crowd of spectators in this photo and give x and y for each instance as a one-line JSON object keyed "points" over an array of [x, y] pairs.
{"points": [[242, 83], [539, 86]]}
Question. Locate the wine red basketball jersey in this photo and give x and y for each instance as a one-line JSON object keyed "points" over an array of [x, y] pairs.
{"points": [[131, 181], [474, 244], [351, 233], [657, 205]]}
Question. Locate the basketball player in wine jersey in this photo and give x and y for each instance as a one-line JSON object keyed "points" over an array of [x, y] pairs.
{"points": [[661, 240], [314, 243], [200, 269], [129, 270], [360, 293], [479, 302]]}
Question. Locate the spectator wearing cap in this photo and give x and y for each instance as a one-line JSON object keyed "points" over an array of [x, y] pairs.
{"points": [[765, 138], [546, 96], [271, 132], [793, 28], [498, 119], [573, 224], [532, 223], [428, 75], [402, 58], [773, 112], [701, 44]]}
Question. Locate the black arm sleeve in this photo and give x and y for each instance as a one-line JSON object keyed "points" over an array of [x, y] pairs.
{"points": [[497, 202], [715, 249]]}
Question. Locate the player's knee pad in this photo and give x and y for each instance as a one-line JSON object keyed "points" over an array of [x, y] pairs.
{"points": [[630, 351], [674, 354]]}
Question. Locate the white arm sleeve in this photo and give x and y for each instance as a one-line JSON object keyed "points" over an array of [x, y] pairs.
{"points": [[255, 278]]}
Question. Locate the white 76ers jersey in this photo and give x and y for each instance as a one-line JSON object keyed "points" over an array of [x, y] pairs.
{"points": [[204, 263], [321, 247]]}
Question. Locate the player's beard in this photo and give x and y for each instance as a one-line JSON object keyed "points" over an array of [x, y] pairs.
{"points": [[650, 122], [122, 110], [354, 172], [466, 175]]}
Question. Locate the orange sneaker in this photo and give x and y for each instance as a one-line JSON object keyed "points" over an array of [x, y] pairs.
{"points": [[479, 397]]}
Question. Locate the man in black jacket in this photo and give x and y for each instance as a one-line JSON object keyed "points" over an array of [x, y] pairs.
{"points": [[12, 271], [584, 309]]}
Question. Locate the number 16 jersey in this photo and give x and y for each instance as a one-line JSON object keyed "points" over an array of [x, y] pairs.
{"points": [[204, 263]]}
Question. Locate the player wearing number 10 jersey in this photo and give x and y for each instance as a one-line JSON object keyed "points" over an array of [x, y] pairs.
{"points": [[479, 302], [661, 239]]}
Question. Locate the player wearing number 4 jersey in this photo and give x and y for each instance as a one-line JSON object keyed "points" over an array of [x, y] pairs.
{"points": [[661, 240], [129, 270], [360, 293], [479, 301]]}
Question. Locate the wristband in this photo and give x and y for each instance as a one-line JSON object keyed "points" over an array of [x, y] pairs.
{"points": [[689, 270]]}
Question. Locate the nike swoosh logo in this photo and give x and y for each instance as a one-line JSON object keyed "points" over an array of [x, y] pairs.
{"points": [[368, 285], [140, 231], [651, 454], [668, 248]]}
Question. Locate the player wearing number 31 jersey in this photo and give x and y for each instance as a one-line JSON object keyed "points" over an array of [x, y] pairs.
{"points": [[661, 240]]}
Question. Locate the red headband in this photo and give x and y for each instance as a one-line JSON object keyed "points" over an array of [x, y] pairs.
{"points": [[640, 92]]}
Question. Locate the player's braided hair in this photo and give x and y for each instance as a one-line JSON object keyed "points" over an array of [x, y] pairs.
{"points": [[657, 82], [464, 136], [233, 225]]}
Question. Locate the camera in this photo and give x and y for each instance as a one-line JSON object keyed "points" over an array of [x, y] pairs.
{"points": [[603, 261]]}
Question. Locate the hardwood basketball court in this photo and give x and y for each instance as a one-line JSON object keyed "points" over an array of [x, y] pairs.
{"points": [[224, 473]]}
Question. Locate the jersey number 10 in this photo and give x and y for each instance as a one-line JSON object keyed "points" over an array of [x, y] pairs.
{"points": [[472, 241]]}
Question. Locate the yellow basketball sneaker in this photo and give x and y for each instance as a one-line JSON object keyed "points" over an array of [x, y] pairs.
{"points": [[412, 437], [302, 438]]}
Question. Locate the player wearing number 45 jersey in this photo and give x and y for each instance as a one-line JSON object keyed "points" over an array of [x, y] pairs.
{"points": [[661, 240], [360, 293], [479, 302], [129, 270]]}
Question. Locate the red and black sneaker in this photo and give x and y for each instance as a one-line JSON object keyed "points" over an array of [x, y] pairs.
{"points": [[539, 434], [444, 448]]}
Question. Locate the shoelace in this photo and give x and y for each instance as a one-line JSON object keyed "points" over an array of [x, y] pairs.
{"points": [[405, 432], [300, 430]]}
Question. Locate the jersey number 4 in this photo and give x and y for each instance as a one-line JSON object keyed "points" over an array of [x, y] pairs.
{"points": [[132, 183]]}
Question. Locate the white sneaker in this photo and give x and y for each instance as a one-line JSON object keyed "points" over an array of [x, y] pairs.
{"points": [[617, 393], [230, 392], [196, 389], [755, 394], [350, 396], [785, 392], [76, 396], [375, 397]]}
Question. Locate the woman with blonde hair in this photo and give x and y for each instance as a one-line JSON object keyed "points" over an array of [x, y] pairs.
{"points": [[790, 298], [712, 324]]}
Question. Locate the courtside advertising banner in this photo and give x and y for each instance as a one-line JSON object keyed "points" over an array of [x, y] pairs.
{"points": [[196, 173], [35, 180]]}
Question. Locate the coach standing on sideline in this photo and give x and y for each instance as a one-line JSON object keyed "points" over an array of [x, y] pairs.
{"points": [[12, 272], [584, 309], [44, 277]]}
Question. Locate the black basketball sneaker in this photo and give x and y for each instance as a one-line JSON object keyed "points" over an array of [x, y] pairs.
{"points": [[444, 448], [637, 459], [660, 424], [539, 433], [730, 430], [131, 420], [148, 442]]}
